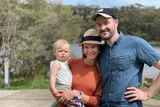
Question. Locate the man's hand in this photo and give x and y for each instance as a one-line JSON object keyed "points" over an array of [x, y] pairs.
{"points": [[134, 94]]}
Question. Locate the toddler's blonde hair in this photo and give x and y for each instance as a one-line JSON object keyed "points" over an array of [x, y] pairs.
{"points": [[59, 43]]}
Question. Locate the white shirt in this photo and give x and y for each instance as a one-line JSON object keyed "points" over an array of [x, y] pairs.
{"points": [[64, 75]]}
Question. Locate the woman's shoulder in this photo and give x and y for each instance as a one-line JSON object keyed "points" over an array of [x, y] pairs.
{"points": [[74, 60]]}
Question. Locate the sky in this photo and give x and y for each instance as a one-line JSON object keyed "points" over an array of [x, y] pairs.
{"points": [[113, 3]]}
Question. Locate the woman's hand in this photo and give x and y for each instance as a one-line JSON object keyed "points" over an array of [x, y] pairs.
{"points": [[134, 94], [66, 96]]}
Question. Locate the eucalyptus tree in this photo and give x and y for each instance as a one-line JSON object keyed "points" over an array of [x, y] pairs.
{"points": [[141, 21], [16, 26], [9, 27], [152, 22], [47, 23], [29, 27], [85, 12]]}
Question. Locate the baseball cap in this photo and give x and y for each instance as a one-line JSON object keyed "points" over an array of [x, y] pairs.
{"points": [[105, 12]]}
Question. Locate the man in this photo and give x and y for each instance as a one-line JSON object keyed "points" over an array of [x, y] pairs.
{"points": [[121, 63]]}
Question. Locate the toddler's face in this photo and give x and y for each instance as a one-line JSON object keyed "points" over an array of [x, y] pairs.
{"points": [[62, 53]]}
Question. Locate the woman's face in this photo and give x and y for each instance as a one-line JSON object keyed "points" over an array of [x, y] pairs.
{"points": [[91, 51]]}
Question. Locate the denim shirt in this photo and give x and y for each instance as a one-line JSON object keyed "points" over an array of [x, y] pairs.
{"points": [[121, 66]]}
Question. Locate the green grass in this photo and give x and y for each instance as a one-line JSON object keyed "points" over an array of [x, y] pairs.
{"points": [[38, 83], [27, 83], [157, 96]]}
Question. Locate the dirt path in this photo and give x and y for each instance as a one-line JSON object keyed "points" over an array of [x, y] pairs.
{"points": [[151, 103], [40, 98], [26, 98]]}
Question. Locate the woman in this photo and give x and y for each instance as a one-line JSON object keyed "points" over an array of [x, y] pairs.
{"points": [[86, 78]]}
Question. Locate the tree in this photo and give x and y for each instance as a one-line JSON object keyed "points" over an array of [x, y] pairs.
{"points": [[30, 28], [85, 12]]}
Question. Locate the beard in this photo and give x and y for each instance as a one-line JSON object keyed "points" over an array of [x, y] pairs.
{"points": [[107, 36]]}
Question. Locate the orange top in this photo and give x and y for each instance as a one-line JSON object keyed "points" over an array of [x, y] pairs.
{"points": [[86, 78]]}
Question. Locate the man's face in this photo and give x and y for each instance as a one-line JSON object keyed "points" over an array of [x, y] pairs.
{"points": [[107, 27]]}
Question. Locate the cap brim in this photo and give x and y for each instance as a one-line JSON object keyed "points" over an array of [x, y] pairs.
{"points": [[93, 17], [91, 42]]}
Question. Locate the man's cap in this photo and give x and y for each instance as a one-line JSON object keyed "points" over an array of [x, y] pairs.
{"points": [[105, 12], [91, 36]]}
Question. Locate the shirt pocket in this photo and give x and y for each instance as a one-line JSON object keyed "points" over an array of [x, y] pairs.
{"points": [[121, 63]]}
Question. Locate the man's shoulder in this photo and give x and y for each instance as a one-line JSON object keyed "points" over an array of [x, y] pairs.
{"points": [[133, 37], [135, 40]]}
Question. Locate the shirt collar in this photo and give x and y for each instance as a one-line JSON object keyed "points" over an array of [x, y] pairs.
{"points": [[120, 37]]}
